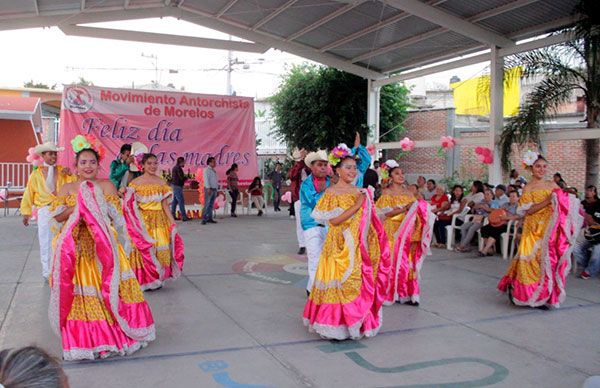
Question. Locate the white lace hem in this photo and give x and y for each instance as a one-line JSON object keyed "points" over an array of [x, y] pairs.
{"points": [[323, 217]]}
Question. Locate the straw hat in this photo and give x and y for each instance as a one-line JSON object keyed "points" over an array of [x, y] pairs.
{"points": [[315, 156], [47, 147]]}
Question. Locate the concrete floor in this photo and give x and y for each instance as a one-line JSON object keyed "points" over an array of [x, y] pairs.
{"points": [[234, 320]]}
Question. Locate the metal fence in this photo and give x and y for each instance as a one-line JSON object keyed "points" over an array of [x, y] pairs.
{"points": [[14, 175]]}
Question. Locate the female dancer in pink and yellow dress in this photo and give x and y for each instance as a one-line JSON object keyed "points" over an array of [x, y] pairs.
{"points": [[157, 254], [536, 276], [96, 304], [352, 276], [409, 225]]}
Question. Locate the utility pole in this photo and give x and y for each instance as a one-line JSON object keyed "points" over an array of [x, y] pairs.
{"points": [[155, 63], [229, 70]]}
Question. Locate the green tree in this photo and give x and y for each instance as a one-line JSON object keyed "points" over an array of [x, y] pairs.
{"points": [[565, 68], [317, 107], [83, 82], [37, 85]]}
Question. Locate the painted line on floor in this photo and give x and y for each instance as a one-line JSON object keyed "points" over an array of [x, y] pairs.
{"points": [[82, 364]]}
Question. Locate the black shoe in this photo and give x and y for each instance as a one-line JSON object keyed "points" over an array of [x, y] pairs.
{"points": [[260, 213], [186, 219], [211, 221], [302, 251], [544, 307], [203, 222], [233, 215]]}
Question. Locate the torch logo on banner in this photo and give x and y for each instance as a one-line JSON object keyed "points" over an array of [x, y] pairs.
{"points": [[78, 99]]}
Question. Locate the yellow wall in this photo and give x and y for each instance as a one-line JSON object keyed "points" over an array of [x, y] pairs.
{"points": [[471, 97]]}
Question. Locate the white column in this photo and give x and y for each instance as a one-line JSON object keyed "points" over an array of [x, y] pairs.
{"points": [[496, 113], [373, 94]]}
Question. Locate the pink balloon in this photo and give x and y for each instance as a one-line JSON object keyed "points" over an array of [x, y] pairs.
{"points": [[287, 197]]}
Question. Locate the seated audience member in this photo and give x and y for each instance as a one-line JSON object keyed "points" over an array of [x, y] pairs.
{"points": [[430, 190], [491, 233], [467, 230], [444, 218], [500, 197], [587, 250], [439, 202], [476, 195], [414, 189], [421, 184], [516, 179], [590, 201], [255, 190], [30, 367], [559, 180]]}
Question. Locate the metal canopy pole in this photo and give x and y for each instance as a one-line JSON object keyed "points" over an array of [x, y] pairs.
{"points": [[496, 113], [373, 98]]}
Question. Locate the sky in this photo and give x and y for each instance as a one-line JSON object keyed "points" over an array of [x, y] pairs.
{"points": [[48, 56]]}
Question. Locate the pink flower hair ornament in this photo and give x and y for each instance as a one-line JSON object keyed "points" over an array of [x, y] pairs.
{"points": [[34, 158], [138, 157], [338, 153], [88, 142]]}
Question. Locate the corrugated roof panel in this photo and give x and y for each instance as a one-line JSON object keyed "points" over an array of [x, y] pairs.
{"points": [[15, 7], [99, 4], [443, 44], [394, 33], [529, 16], [59, 5], [211, 7], [359, 18], [300, 15], [375, 11], [250, 12], [319, 37], [467, 9], [283, 25]]}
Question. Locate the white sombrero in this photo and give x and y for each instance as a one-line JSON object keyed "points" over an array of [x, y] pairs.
{"points": [[47, 147], [315, 156]]}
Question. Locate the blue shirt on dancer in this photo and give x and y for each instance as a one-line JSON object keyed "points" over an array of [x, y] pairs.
{"points": [[309, 196], [362, 164]]}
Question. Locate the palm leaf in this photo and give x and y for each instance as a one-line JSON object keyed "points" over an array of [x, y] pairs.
{"points": [[541, 103]]}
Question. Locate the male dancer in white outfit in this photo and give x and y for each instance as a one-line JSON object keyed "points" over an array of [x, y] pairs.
{"points": [[42, 186], [311, 191]]}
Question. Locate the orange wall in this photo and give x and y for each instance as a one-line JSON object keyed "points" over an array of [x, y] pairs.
{"points": [[16, 136]]}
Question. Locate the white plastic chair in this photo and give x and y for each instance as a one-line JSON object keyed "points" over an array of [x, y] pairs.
{"points": [[507, 239], [248, 206], [450, 229], [239, 202]]}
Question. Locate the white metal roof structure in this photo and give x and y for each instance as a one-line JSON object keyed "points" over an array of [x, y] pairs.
{"points": [[384, 41], [369, 38]]}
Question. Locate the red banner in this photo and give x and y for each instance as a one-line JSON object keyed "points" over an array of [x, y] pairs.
{"points": [[170, 124]]}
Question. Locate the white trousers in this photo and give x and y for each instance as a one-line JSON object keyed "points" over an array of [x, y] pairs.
{"points": [[315, 238], [45, 238], [299, 231]]}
